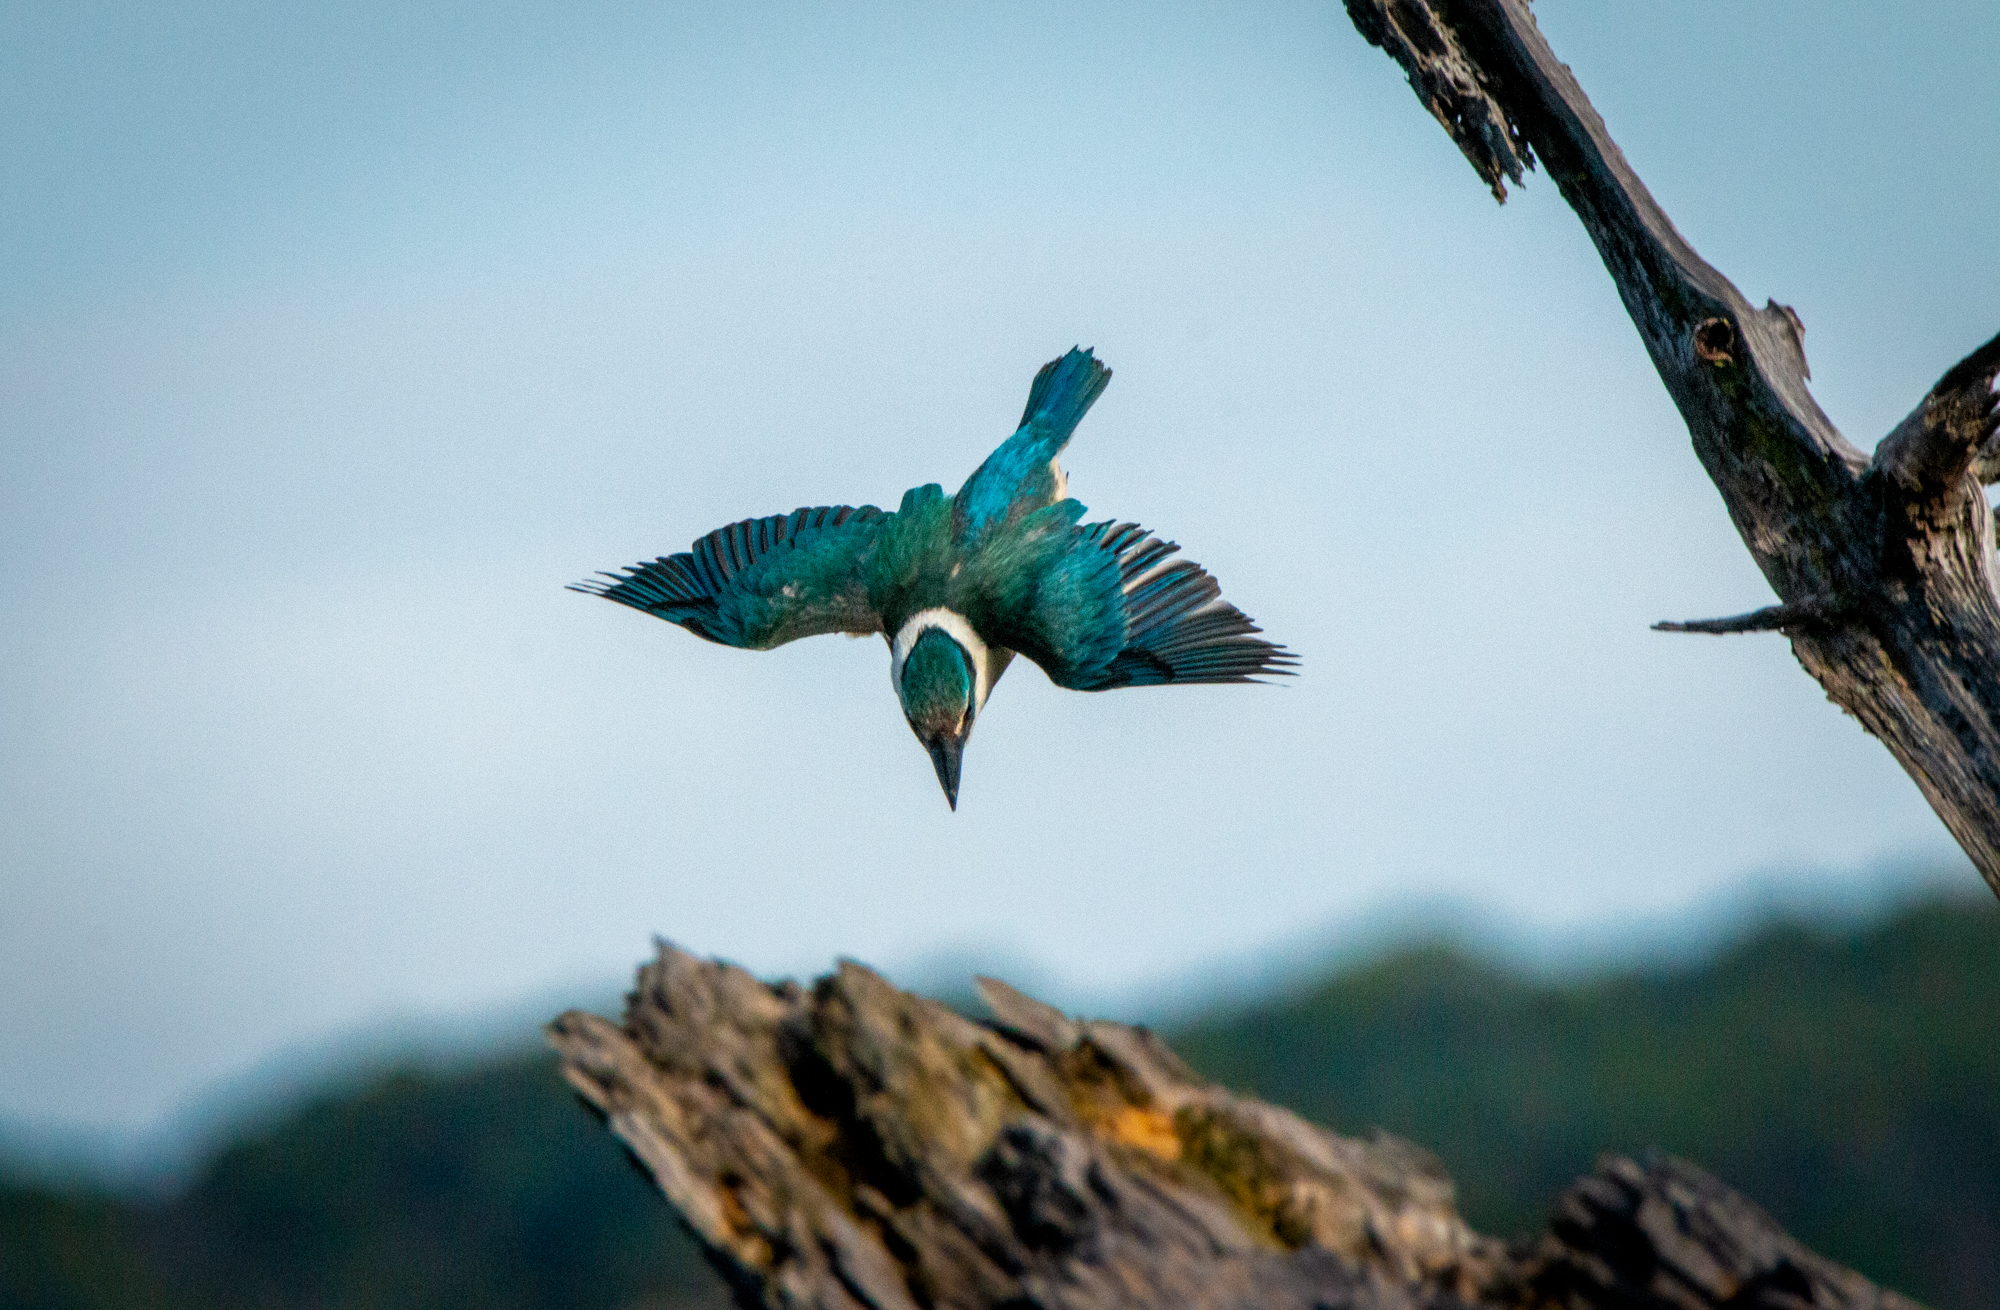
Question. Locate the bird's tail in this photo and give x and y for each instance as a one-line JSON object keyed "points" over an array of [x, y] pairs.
{"points": [[1063, 393]]}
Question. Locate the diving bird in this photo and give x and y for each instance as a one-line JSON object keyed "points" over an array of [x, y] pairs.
{"points": [[957, 585]]}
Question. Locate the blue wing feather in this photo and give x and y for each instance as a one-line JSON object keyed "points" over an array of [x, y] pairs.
{"points": [[1117, 611], [761, 582]]}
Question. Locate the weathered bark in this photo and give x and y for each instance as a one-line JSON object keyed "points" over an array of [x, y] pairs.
{"points": [[1667, 1235], [857, 1146], [1885, 567]]}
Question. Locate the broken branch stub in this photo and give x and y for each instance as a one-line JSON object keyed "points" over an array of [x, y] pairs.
{"points": [[851, 1145], [1890, 560]]}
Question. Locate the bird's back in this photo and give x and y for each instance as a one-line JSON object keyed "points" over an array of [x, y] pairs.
{"points": [[1022, 476]]}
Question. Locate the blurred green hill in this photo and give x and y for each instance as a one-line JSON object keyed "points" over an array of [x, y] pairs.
{"points": [[487, 1187], [1848, 1079]]}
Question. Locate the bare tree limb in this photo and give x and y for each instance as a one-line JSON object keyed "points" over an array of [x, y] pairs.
{"points": [[1772, 618], [1931, 451], [1893, 557], [854, 1147]]}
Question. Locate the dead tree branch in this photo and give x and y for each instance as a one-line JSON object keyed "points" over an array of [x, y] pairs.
{"points": [[1772, 618], [855, 1147], [1892, 557]]}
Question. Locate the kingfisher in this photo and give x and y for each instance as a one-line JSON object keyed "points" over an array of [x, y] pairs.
{"points": [[958, 585]]}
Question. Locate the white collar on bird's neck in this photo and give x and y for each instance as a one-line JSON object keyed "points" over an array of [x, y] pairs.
{"points": [[953, 625]]}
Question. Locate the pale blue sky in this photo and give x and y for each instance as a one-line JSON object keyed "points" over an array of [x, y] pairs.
{"points": [[332, 345]]}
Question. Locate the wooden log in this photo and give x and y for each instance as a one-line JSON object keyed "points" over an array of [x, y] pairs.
{"points": [[851, 1145]]}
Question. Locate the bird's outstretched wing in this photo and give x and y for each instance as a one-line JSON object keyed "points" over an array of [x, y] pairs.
{"points": [[762, 582], [1115, 610]]}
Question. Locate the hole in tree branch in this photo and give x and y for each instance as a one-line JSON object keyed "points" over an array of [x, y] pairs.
{"points": [[1714, 339]]}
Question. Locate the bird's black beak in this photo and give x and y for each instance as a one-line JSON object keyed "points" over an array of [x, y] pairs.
{"points": [[946, 752]]}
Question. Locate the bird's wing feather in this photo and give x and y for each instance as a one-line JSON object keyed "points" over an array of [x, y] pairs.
{"points": [[762, 582], [1021, 476], [1114, 610]]}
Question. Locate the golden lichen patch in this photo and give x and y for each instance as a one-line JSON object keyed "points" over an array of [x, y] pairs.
{"points": [[1151, 1131], [1235, 1161], [1115, 1107], [1270, 1188]]}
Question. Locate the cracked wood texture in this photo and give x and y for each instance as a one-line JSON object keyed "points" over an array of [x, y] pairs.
{"points": [[1885, 566], [855, 1147]]}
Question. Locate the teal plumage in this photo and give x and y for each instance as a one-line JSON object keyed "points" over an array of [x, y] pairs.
{"points": [[958, 584], [762, 582], [1021, 475]]}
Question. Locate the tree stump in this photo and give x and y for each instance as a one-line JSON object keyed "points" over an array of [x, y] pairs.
{"points": [[854, 1146]]}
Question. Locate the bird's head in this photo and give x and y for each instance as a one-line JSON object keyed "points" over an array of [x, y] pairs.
{"points": [[937, 685]]}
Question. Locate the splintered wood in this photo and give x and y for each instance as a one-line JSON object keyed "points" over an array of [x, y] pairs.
{"points": [[852, 1145]]}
